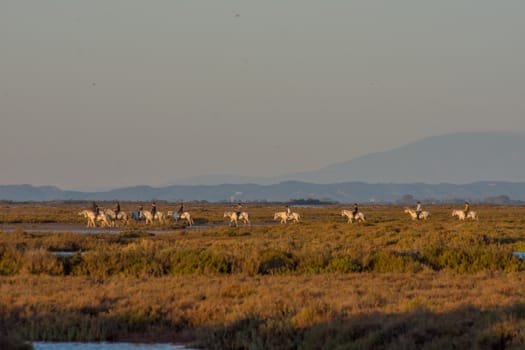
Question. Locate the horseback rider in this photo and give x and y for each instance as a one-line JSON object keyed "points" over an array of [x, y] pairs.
{"points": [[419, 209], [117, 209], [181, 209], [466, 209], [153, 209], [355, 211], [288, 211], [238, 209], [140, 209], [96, 209]]}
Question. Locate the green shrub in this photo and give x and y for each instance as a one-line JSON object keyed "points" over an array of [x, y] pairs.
{"points": [[393, 262], [39, 261], [344, 265], [189, 261], [10, 260], [472, 259], [313, 262], [273, 261]]}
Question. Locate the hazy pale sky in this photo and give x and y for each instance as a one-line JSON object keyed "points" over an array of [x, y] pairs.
{"points": [[104, 93]]}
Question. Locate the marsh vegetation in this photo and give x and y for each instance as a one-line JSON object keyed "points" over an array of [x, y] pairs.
{"points": [[322, 283]]}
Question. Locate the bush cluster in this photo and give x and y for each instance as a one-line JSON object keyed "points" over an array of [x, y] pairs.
{"points": [[157, 259]]}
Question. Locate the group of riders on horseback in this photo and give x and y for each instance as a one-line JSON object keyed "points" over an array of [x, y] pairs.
{"points": [[140, 210], [466, 210], [238, 214]]}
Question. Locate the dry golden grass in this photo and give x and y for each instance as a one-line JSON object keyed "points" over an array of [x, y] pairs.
{"points": [[432, 285], [203, 307]]}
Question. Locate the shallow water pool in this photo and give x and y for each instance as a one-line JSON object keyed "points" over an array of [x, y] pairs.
{"points": [[105, 345]]}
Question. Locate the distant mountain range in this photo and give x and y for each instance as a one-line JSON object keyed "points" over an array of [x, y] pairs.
{"points": [[458, 158], [282, 192], [473, 166]]}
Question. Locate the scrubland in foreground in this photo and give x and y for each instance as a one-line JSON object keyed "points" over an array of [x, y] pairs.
{"points": [[426, 310], [388, 283]]}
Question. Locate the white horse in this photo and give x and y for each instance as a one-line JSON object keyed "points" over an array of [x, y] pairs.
{"points": [[183, 216], [350, 215], [294, 217], [122, 216], [424, 215], [186, 216], [461, 214], [284, 217], [92, 218], [149, 218], [243, 216]]}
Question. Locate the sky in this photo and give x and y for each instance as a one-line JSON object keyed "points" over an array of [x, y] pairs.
{"points": [[101, 94]]}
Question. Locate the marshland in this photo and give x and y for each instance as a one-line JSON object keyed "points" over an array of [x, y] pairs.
{"points": [[389, 282]]}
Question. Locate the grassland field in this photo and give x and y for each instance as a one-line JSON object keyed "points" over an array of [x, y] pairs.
{"points": [[389, 283]]}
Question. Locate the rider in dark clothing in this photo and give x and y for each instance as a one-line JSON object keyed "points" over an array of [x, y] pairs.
{"points": [[181, 209], [153, 209], [96, 209], [140, 209], [238, 209], [117, 208], [355, 211]]}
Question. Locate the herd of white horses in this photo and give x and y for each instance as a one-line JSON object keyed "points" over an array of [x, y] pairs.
{"points": [[108, 217]]}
